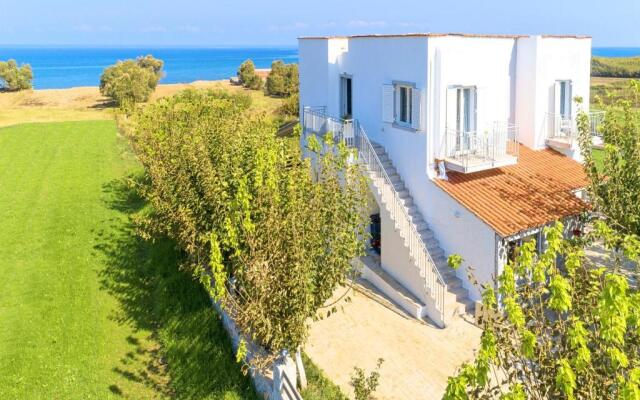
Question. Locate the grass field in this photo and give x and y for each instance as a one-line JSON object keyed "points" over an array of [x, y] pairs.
{"points": [[87, 310], [86, 103]]}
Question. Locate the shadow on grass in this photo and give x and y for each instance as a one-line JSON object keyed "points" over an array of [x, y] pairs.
{"points": [[188, 355]]}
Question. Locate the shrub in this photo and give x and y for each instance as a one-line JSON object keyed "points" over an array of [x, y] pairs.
{"points": [[244, 207], [131, 81], [559, 325], [290, 107], [283, 79], [151, 63], [248, 77], [14, 77], [365, 386], [623, 67]]}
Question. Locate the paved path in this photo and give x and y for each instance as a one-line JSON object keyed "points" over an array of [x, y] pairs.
{"points": [[418, 357]]}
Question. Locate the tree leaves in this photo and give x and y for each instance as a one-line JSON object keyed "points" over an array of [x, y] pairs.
{"points": [[563, 327]]}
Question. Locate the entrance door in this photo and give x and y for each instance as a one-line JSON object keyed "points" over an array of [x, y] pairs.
{"points": [[346, 97]]}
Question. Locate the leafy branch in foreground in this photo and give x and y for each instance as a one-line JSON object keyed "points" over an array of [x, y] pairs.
{"points": [[567, 330], [277, 235], [614, 186]]}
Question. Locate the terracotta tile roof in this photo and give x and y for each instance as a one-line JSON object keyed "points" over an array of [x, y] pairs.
{"points": [[536, 191]]}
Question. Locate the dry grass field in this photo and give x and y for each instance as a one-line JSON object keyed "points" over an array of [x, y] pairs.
{"points": [[86, 103]]}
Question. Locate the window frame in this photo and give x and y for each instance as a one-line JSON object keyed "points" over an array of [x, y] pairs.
{"points": [[408, 87], [346, 95]]}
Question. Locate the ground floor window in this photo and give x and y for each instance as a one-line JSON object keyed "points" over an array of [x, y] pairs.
{"points": [[514, 245]]}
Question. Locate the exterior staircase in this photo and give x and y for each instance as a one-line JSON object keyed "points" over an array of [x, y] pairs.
{"points": [[457, 300], [443, 292]]}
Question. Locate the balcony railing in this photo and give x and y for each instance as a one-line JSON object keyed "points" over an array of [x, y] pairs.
{"points": [[475, 151], [563, 132]]}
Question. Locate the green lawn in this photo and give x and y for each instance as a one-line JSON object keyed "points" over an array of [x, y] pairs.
{"points": [[87, 310]]}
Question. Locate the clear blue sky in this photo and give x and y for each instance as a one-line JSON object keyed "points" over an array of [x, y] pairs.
{"points": [[250, 22]]}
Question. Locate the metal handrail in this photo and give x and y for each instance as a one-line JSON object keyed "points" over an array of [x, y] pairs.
{"points": [[434, 283], [499, 140], [560, 127]]}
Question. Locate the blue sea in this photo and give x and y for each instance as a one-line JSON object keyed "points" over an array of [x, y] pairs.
{"points": [[616, 51], [55, 68], [68, 67]]}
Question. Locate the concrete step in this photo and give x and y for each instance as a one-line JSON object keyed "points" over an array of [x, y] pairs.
{"points": [[391, 170], [425, 233]]}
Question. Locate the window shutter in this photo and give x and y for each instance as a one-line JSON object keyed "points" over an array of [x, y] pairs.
{"points": [[388, 94], [570, 98], [483, 122], [452, 108], [556, 98], [416, 109]]}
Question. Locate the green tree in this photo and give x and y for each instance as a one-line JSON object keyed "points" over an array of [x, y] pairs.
{"points": [[560, 330], [14, 77], [248, 77], [283, 79], [614, 187], [151, 63], [131, 81], [277, 235]]}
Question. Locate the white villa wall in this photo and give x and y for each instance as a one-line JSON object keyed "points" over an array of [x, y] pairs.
{"points": [[486, 63], [395, 259], [541, 61], [372, 63], [516, 76]]}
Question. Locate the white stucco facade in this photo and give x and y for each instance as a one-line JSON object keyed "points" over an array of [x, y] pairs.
{"points": [[514, 80]]}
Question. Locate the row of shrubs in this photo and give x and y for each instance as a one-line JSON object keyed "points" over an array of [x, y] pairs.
{"points": [[282, 81], [616, 67]]}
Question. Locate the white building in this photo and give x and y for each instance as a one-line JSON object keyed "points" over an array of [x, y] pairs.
{"points": [[469, 141]]}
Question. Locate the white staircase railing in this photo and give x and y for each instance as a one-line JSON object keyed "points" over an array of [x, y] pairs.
{"points": [[351, 132]]}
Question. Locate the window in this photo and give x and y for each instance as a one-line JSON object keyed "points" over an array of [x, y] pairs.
{"points": [[563, 99], [403, 105]]}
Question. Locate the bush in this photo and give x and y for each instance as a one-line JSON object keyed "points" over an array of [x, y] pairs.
{"points": [[235, 197], [623, 67], [283, 79], [290, 107], [131, 81], [248, 77], [15, 78]]}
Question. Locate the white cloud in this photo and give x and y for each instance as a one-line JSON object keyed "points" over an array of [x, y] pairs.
{"points": [[366, 24]]}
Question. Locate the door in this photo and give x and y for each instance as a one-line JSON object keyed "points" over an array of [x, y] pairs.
{"points": [[465, 117], [346, 97], [562, 119]]}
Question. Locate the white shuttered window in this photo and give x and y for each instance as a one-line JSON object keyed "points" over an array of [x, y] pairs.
{"points": [[401, 105]]}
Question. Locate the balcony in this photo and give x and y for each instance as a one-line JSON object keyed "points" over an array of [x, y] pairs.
{"points": [[494, 147], [562, 133]]}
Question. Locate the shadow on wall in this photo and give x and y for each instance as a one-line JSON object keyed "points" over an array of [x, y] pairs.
{"points": [[187, 355]]}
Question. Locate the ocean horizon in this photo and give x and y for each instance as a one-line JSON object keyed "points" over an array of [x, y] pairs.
{"points": [[65, 67]]}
